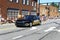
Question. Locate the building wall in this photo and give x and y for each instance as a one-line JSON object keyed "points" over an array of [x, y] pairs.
{"points": [[43, 10], [5, 4], [53, 11]]}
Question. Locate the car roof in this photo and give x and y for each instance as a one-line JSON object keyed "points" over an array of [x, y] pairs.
{"points": [[30, 15]]}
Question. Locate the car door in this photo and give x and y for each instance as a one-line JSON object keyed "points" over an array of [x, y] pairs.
{"points": [[36, 20]]}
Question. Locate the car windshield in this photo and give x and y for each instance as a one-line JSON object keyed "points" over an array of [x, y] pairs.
{"points": [[29, 17]]}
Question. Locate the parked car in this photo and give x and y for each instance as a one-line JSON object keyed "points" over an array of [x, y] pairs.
{"points": [[28, 20]]}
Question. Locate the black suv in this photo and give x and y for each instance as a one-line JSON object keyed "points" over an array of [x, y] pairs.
{"points": [[28, 20]]}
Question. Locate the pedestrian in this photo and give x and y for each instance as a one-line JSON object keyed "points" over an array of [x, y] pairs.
{"points": [[44, 18], [38, 16]]}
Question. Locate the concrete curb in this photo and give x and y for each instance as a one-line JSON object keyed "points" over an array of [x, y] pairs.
{"points": [[7, 26]]}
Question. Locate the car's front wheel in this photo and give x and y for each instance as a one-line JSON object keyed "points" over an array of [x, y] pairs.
{"points": [[30, 24]]}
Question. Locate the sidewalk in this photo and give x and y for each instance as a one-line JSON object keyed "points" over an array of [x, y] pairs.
{"points": [[7, 25], [9, 28]]}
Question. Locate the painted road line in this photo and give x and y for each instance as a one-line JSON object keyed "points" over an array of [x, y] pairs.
{"points": [[58, 30], [33, 28], [50, 29], [17, 37]]}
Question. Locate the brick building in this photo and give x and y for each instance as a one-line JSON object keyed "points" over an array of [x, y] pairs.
{"points": [[49, 10], [12, 8], [53, 11]]}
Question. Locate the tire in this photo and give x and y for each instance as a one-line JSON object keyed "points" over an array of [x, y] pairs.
{"points": [[30, 24]]}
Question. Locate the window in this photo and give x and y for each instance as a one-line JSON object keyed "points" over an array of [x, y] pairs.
{"points": [[16, 1], [12, 13], [13, 0], [10, 0], [32, 3], [25, 12], [23, 1], [26, 2], [33, 12], [35, 4]]}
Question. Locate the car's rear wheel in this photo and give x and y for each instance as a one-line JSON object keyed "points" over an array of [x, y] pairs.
{"points": [[30, 24]]}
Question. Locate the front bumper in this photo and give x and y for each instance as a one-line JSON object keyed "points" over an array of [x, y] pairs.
{"points": [[22, 24]]}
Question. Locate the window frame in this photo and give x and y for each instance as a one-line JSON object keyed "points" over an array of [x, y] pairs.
{"points": [[26, 2], [16, 1]]}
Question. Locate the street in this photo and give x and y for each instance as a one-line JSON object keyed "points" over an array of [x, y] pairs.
{"points": [[29, 19], [50, 30]]}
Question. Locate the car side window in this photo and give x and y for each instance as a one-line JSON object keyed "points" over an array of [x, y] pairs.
{"points": [[34, 17]]}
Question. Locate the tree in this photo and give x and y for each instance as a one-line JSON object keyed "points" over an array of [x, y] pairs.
{"points": [[54, 4]]}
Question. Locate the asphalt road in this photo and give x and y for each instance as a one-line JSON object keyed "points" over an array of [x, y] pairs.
{"points": [[53, 35], [40, 32]]}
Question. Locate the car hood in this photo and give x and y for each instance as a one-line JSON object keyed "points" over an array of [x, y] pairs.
{"points": [[22, 20]]}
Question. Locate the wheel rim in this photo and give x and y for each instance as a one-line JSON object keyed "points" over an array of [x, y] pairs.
{"points": [[26, 24]]}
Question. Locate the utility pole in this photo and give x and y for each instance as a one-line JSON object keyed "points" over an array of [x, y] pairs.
{"points": [[38, 8], [48, 10]]}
